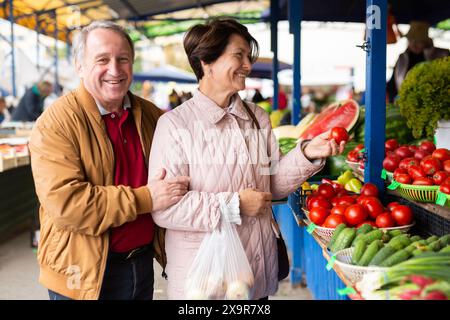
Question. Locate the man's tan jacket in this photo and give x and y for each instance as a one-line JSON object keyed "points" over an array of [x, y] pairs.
{"points": [[73, 168]]}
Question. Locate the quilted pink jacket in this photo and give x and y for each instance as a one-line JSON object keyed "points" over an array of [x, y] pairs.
{"points": [[220, 150]]}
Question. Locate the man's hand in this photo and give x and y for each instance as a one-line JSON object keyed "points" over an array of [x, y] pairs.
{"points": [[253, 202], [322, 147], [166, 192]]}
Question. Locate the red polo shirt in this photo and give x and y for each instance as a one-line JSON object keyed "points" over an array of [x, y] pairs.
{"points": [[130, 170]]}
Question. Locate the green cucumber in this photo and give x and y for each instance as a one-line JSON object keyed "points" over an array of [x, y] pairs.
{"points": [[382, 255], [344, 239], [394, 233], [336, 232], [445, 240], [373, 235], [358, 251], [400, 241], [370, 252], [432, 239], [435, 245], [415, 238], [364, 229], [396, 258]]}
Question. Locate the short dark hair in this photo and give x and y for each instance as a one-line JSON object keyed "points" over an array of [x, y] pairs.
{"points": [[206, 42]]}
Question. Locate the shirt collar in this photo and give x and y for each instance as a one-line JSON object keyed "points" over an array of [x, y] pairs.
{"points": [[103, 111], [215, 113]]}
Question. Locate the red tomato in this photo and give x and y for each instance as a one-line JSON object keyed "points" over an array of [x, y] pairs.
{"points": [[420, 154], [416, 172], [446, 166], [385, 220], [413, 148], [318, 215], [369, 222], [319, 202], [441, 154], [339, 134], [391, 144], [407, 162], [390, 163], [333, 220], [369, 189], [403, 152], [430, 166], [359, 147], [355, 214], [439, 177], [403, 178], [326, 190], [341, 192], [339, 209], [427, 146], [374, 207], [402, 215], [391, 205], [445, 188], [423, 181], [346, 200], [399, 171], [353, 156]]}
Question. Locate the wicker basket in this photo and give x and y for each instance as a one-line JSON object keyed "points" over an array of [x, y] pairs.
{"points": [[418, 193], [352, 272]]}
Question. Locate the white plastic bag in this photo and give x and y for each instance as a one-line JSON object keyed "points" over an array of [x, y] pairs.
{"points": [[220, 269]]}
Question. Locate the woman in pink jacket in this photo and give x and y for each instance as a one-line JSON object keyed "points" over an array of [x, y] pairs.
{"points": [[212, 139]]}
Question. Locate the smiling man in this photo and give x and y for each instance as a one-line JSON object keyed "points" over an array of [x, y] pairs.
{"points": [[89, 154]]}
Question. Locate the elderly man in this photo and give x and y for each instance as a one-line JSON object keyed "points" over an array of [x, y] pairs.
{"points": [[89, 155], [31, 105]]}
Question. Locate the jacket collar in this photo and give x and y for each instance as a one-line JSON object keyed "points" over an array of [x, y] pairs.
{"points": [[88, 102], [214, 113]]}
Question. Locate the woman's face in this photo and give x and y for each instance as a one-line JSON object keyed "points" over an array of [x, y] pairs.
{"points": [[229, 71]]}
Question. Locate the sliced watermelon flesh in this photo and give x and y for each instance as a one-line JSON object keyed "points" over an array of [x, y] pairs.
{"points": [[340, 114]]}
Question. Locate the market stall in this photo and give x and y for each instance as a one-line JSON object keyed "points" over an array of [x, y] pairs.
{"points": [[18, 201]]}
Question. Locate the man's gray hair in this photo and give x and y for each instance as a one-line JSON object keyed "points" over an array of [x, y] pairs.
{"points": [[79, 41]]}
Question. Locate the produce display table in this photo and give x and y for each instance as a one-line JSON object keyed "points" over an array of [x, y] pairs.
{"points": [[18, 201]]}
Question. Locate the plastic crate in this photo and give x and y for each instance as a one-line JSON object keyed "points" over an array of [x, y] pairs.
{"points": [[427, 222]]}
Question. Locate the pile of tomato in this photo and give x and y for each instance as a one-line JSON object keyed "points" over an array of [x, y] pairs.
{"points": [[330, 206], [423, 165]]}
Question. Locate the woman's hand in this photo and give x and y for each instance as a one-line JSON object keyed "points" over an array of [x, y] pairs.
{"points": [[322, 147], [253, 202]]}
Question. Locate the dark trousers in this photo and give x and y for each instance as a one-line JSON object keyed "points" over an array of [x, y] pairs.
{"points": [[130, 279]]}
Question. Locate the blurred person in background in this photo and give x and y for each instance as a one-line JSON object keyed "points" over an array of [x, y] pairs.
{"points": [[4, 113], [31, 105], [420, 48]]}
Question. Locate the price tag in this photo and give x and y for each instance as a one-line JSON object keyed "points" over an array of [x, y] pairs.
{"points": [[394, 185], [362, 150], [345, 291], [383, 174], [331, 263], [441, 198], [311, 228]]}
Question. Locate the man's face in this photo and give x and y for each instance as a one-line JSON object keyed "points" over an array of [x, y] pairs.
{"points": [[106, 69]]}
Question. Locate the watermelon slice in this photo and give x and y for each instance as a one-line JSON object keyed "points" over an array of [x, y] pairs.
{"points": [[340, 114]]}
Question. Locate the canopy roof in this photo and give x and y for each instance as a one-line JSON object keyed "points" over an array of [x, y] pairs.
{"points": [[262, 68], [165, 74], [71, 14]]}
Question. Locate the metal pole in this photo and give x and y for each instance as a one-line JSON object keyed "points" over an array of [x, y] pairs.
{"points": [[376, 21], [274, 13], [13, 60], [295, 17], [56, 86], [37, 41]]}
